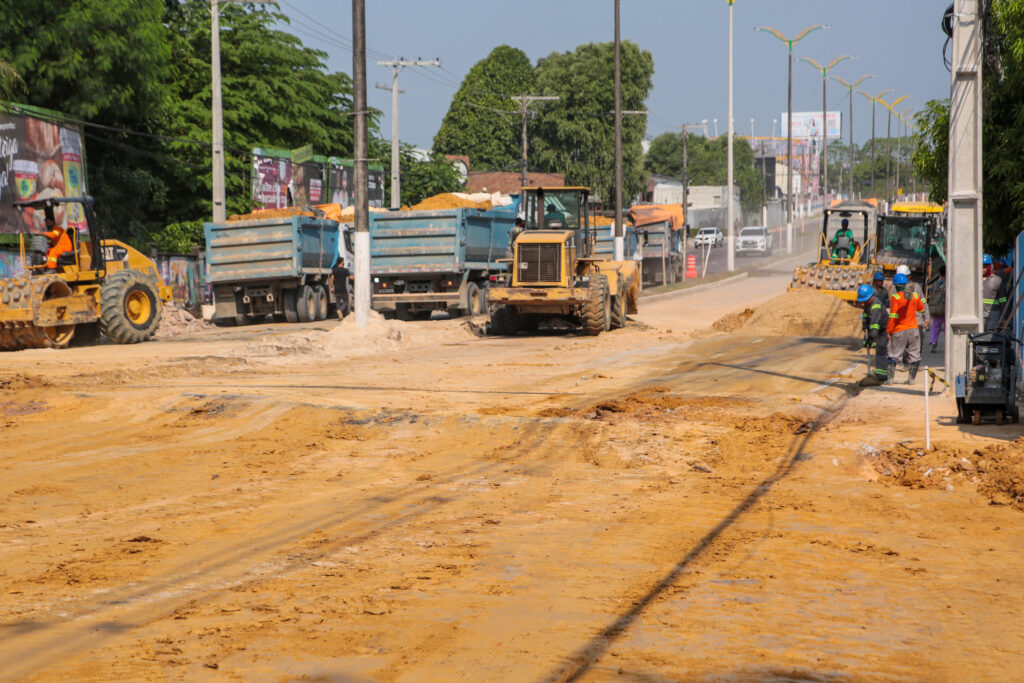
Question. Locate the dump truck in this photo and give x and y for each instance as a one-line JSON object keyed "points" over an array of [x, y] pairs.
{"points": [[274, 266], [556, 276], [439, 260], [840, 275], [659, 232], [100, 286]]}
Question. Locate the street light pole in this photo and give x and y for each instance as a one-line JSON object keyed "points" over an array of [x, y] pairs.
{"points": [[888, 143], [731, 255], [790, 42], [824, 116], [874, 100], [849, 89]]}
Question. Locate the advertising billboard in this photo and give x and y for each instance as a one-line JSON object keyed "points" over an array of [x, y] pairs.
{"points": [[278, 182], [807, 124], [39, 158]]}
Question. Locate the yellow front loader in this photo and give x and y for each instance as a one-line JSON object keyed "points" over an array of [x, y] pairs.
{"points": [[99, 286], [555, 275]]}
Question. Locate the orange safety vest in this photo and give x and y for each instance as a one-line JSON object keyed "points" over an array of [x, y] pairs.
{"points": [[60, 243], [903, 311]]}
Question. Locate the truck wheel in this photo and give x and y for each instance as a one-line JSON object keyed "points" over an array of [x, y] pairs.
{"points": [[130, 307], [291, 313], [594, 319], [305, 304], [475, 299], [504, 321], [618, 310], [321, 302]]}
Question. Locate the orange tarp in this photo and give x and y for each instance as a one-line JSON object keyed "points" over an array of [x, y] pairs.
{"points": [[645, 214]]}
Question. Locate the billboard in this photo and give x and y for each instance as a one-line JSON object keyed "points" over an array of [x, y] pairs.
{"points": [[809, 124], [278, 182], [39, 158]]}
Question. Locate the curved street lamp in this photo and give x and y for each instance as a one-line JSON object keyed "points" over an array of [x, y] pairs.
{"points": [[824, 115], [891, 106], [899, 138], [874, 100], [849, 87], [790, 42]]}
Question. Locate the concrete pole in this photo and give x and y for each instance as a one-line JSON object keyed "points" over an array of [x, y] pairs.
{"points": [[219, 209], [764, 188], [731, 255], [824, 138], [888, 156], [362, 217], [963, 314], [396, 176], [789, 157], [522, 114], [619, 227], [686, 190], [850, 126]]}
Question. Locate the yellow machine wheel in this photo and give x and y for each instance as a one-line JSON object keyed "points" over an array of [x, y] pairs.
{"points": [[129, 307], [596, 314]]}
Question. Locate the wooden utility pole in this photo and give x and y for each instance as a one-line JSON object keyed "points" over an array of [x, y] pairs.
{"points": [[524, 101], [360, 152], [396, 66]]}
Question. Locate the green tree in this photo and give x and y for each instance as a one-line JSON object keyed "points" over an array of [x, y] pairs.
{"points": [[10, 82], [707, 163], [575, 135], [482, 121]]}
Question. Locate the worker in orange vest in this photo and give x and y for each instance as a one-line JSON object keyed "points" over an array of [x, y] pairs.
{"points": [[904, 337], [60, 243]]}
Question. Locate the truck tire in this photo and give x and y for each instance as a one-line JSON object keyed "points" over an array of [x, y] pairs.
{"points": [[322, 300], [475, 299], [618, 312], [288, 303], [305, 304], [504, 321], [595, 316], [130, 307]]}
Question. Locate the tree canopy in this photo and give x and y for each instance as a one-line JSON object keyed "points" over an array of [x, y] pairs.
{"points": [[707, 163], [482, 120], [575, 135]]}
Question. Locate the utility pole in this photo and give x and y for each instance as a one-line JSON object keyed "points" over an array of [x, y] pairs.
{"points": [[731, 255], [965, 186], [524, 101], [874, 100], [396, 66], [217, 134], [361, 152], [686, 184], [619, 227]]}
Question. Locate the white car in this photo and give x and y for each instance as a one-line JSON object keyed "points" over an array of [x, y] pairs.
{"points": [[711, 237], [754, 239]]}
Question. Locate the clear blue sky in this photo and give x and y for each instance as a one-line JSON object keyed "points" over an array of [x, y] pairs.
{"points": [[899, 40]]}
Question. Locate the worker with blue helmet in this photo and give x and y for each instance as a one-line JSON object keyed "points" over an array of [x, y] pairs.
{"points": [[993, 294], [875, 317], [986, 260], [904, 335]]}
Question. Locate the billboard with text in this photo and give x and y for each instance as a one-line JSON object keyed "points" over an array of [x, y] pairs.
{"points": [[808, 124]]}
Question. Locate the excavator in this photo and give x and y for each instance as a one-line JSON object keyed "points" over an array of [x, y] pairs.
{"points": [[101, 286], [555, 274]]}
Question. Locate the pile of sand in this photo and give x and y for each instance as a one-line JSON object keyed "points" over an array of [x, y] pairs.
{"points": [[176, 321], [348, 341], [996, 470], [802, 313], [260, 214]]}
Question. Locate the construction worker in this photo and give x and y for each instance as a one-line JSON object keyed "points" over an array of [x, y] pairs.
{"points": [[991, 284], [60, 242], [904, 336], [1005, 272], [513, 234], [924, 320], [843, 245], [875, 315], [339, 276], [878, 282]]}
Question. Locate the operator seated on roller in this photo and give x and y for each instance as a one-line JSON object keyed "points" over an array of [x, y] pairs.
{"points": [[843, 245], [60, 242]]}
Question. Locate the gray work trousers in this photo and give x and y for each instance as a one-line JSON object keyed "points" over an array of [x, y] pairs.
{"points": [[905, 342]]}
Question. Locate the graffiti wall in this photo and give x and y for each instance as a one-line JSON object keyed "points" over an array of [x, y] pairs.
{"points": [[39, 159], [186, 276], [10, 264]]}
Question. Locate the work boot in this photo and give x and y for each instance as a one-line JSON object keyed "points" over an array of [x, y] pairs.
{"points": [[933, 347], [871, 380], [912, 369], [891, 379]]}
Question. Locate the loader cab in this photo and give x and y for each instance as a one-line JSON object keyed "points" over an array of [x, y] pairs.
{"points": [[560, 208]]}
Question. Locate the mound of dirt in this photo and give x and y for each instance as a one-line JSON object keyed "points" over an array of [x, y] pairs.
{"points": [[176, 321], [803, 313], [649, 405], [996, 470], [18, 382]]}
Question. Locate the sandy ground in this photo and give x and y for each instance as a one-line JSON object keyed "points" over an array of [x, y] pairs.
{"points": [[678, 500]]}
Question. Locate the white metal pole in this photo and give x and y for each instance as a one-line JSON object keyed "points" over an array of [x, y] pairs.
{"points": [[396, 177], [731, 256], [927, 420], [219, 210]]}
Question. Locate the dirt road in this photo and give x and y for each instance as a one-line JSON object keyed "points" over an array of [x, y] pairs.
{"points": [[691, 497]]}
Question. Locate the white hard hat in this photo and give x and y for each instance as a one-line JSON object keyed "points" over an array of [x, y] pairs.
{"points": [[903, 270]]}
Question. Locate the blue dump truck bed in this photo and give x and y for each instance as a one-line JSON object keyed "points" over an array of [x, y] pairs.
{"points": [[604, 245], [271, 266], [422, 261], [270, 248]]}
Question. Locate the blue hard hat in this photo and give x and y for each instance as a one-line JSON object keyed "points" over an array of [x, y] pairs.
{"points": [[865, 292], [879, 276], [986, 260], [900, 279], [845, 223]]}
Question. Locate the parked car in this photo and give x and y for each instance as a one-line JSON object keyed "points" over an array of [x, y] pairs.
{"points": [[711, 237], [754, 239]]}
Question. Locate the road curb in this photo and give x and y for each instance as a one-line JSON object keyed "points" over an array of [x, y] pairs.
{"points": [[693, 290]]}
